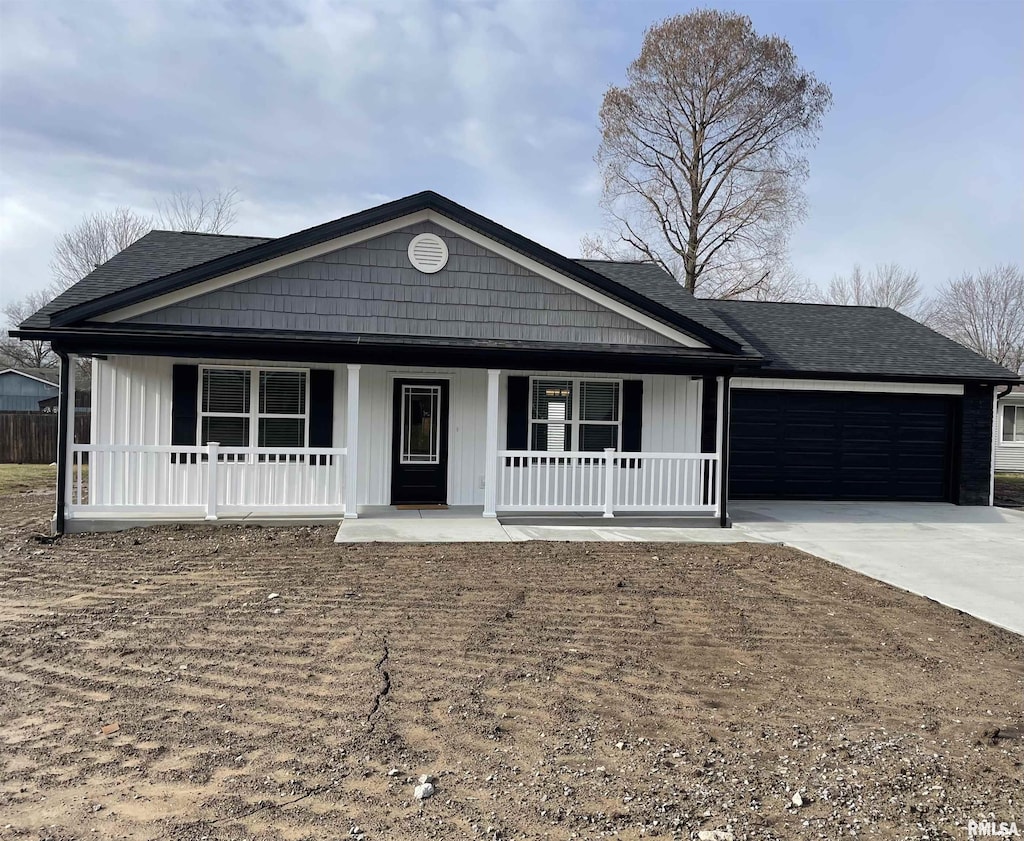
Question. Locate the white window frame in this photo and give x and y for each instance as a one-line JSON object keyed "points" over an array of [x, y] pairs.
{"points": [[575, 422], [254, 413], [1018, 422]]}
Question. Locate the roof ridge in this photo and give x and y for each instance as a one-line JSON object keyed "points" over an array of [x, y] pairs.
{"points": [[208, 234], [795, 303], [616, 262]]}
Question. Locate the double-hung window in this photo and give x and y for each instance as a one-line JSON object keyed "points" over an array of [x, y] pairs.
{"points": [[575, 414], [254, 407], [1013, 425]]}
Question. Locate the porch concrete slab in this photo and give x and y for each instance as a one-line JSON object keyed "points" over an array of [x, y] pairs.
{"points": [[968, 558], [611, 533], [449, 529]]}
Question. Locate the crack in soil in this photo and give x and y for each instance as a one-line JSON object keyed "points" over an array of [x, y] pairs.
{"points": [[317, 790], [381, 667]]}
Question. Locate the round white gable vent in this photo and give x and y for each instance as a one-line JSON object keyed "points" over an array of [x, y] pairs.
{"points": [[428, 253]]}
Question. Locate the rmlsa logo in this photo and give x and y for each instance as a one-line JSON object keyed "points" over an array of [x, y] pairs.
{"points": [[992, 829]]}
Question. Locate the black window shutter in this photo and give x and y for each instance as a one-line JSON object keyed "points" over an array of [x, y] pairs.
{"points": [[518, 418], [321, 408], [632, 415], [709, 415], [184, 404]]}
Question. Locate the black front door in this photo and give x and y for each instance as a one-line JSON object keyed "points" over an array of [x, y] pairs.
{"points": [[419, 461]]}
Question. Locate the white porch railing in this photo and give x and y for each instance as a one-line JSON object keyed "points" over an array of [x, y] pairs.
{"points": [[208, 481], [609, 482]]}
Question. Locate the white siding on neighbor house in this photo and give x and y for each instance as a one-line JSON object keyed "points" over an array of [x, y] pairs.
{"points": [[132, 405], [1009, 457], [781, 384]]}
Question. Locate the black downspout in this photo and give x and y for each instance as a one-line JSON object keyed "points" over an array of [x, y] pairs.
{"points": [[724, 520], [62, 441]]}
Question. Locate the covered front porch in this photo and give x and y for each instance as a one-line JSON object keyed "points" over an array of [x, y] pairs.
{"points": [[507, 442]]}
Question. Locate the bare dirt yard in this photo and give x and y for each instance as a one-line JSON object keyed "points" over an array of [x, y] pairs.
{"points": [[152, 687], [1009, 490]]}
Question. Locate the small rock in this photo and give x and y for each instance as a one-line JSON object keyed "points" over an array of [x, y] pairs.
{"points": [[426, 778], [273, 596], [276, 610], [394, 772], [714, 835], [423, 791], [798, 801], [97, 807]]}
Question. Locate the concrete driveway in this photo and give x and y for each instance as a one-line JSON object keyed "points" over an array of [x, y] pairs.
{"points": [[968, 558]]}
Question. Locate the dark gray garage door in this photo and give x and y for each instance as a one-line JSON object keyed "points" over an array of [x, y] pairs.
{"points": [[828, 445]]}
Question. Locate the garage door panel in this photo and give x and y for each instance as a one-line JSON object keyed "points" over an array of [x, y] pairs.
{"points": [[818, 445]]}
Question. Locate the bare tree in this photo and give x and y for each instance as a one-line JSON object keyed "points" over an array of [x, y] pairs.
{"points": [[97, 238], [92, 242], [984, 311], [886, 285], [194, 211], [702, 152], [29, 354], [784, 284]]}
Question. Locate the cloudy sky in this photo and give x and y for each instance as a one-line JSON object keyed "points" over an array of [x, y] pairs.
{"points": [[315, 109]]}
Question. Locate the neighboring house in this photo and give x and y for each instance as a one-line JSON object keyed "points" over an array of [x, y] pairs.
{"points": [[1009, 433], [21, 389], [83, 403], [420, 353]]}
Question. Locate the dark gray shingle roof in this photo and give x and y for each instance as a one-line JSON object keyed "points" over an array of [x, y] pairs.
{"points": [[796, 338], [654, 283], [157, 254], [826, 338]]}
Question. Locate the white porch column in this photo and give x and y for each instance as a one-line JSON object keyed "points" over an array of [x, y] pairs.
{"points": [[719, 427], [491, 448], [69, 441], [351, 490]]}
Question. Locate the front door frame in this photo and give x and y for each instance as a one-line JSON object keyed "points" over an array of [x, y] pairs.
{"points": [[397, 381]]}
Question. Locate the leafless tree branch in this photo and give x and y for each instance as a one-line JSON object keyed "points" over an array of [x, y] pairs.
{"points": [[984, 311], [702, 152]]}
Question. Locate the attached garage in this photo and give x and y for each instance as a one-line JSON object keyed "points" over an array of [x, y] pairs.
{"points": [[820, 445]]}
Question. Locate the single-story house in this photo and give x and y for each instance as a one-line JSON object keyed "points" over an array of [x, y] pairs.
{"points": [[419, 353], [1009, 432], [21, 389]]}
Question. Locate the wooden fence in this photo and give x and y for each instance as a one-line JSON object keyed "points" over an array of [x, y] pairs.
{"points": [[31, 438]]}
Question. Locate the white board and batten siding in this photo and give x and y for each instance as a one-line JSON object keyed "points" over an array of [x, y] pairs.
{"points": [[131, 397], [132, 405], [1009, 458]]}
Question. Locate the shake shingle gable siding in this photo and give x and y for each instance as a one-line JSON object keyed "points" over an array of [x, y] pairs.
{"points": [[371, 288], [856, 341]]}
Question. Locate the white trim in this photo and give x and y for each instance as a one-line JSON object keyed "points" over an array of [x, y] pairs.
{"points": [[781, 384], [313, 251], [720, 422], [995, 446], [350, 496], [1000, 411], [491, 443], [29, 376], [434, 456], [253, 413]]}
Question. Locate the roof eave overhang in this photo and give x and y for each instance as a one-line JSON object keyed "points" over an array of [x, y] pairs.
{"points": [[765, 370], [376, 216], [369, 349]]}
